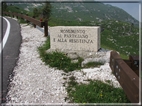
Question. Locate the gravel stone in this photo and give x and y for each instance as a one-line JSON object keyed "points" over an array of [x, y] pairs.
{"points": [[36, 83]]}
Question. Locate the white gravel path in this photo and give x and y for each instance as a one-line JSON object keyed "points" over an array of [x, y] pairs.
{"points": [[34, 82]]}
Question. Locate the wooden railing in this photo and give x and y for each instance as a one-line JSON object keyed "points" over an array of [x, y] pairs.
{"points": [[30, 19], [127, 77]]}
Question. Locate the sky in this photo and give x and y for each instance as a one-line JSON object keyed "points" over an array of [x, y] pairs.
{"points": [[130, 6]]}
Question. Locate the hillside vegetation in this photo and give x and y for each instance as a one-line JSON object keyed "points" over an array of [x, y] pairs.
{"points": [[120, 36], [119, 30], [81, 11], [115, 35], [90, 12]]}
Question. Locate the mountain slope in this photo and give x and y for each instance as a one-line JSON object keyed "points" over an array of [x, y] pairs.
{"points": [[118, 31], [82, 11], [90, 12], [120, 36]]}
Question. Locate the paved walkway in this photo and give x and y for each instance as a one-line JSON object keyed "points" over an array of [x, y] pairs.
{"points": [[10, 55]]}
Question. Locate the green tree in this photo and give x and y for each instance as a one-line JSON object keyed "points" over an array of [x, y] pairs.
{"points": [[4, 6], [35, 12], [46, 11]]}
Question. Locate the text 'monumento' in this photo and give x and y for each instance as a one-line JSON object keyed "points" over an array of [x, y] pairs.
{"points": [[75, 38]]}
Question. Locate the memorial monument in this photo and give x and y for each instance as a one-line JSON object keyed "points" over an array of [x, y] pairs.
{"points": [[75, 38]]}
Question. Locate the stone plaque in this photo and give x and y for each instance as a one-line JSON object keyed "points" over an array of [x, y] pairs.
{"points": [[75, 38]]}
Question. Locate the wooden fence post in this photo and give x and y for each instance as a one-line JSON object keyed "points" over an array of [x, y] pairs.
{"points": [[21, 15], [32, 20], [11, 14], [125, 76], [33, 23], [113, 57], [46, 28]]}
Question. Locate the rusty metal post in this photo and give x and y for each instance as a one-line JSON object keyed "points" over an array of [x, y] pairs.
{"points": [[46, 28]]}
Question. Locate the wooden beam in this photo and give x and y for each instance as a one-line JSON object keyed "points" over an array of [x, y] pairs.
{"points": [[126, 77]]}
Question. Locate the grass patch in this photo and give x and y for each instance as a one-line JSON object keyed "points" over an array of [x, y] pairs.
{"points": [[61, 61], [94, 92], [57, 59], [42, 49], [122, 55], [92, 64], [21, 21]]}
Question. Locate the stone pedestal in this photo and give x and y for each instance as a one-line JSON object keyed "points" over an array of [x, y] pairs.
{"points": [[75, 38]]}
